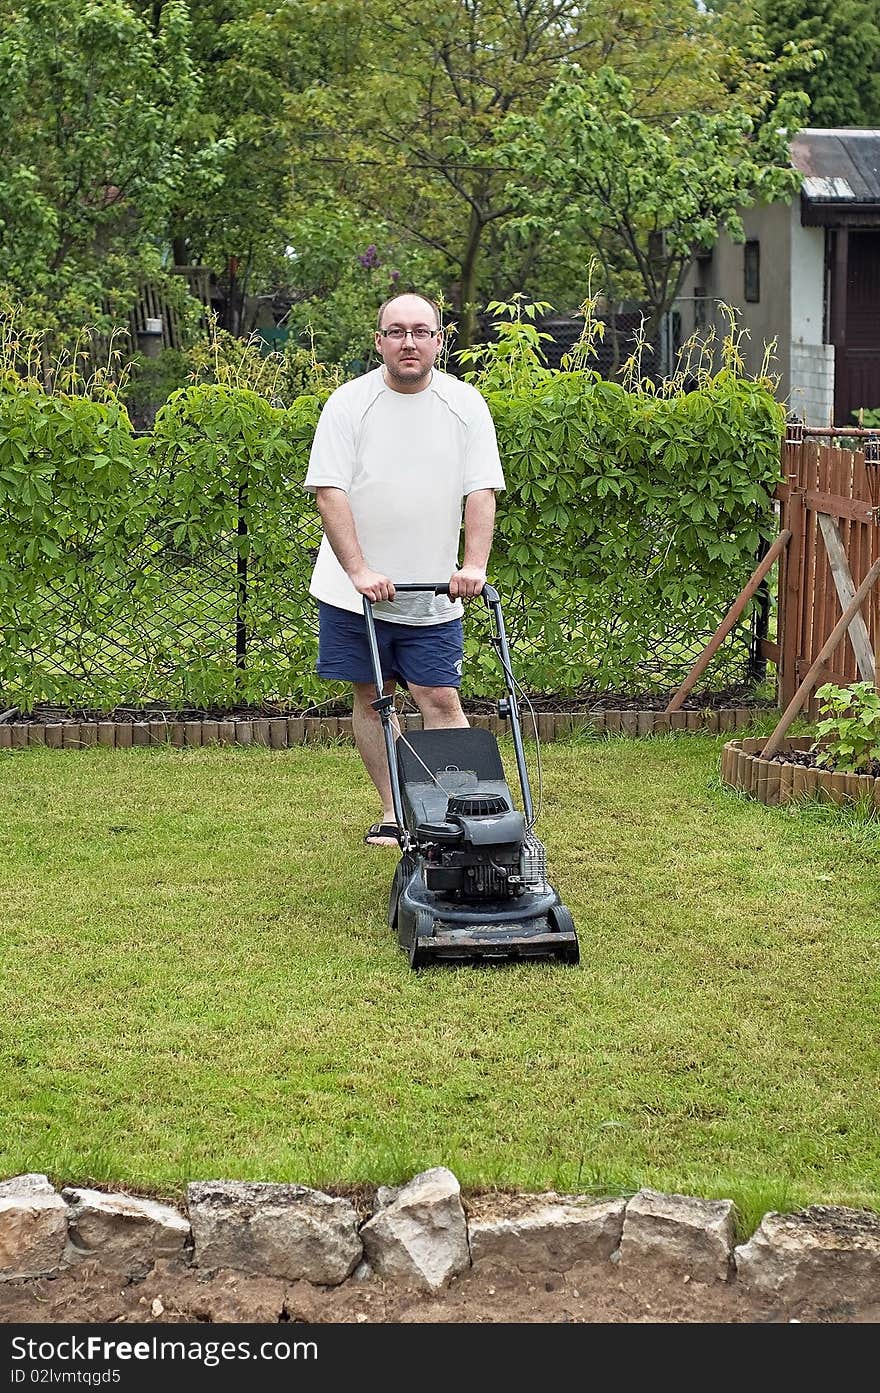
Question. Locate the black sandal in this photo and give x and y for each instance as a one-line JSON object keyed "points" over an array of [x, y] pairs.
{"points": [[382, 829]]}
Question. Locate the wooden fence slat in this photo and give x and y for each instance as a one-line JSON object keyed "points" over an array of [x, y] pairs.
{"points": [[858, 630], [789, 581], [806, 686], [848, 537], [863, 489], [832, 606], [807, 581], [821, 479], [836, 505], [819, 609]]}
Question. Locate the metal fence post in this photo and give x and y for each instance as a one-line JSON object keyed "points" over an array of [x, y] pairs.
{"points": [[241, 582]]}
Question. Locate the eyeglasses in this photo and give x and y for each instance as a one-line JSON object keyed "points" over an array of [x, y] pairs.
{"points": [[420, 335]]}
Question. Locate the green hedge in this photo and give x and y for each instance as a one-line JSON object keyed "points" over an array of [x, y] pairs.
{"points": [[630, 521]]}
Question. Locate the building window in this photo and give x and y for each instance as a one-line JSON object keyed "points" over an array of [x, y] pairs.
{"points": [[752, 265]]}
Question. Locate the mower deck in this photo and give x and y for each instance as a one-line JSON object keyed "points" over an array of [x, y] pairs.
{"points": [[431, 929]]}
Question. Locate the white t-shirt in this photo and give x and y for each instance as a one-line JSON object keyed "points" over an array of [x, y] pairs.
{"points": [[406, 460]]}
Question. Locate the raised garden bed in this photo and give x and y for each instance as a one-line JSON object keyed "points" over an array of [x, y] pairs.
{"points": [[790, 775]]}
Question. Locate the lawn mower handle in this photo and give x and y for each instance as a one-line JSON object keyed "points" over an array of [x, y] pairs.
{"points": [[385, 704], [488, 592]]}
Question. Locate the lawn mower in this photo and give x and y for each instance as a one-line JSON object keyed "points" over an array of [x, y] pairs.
{"points": [[471, 883]]}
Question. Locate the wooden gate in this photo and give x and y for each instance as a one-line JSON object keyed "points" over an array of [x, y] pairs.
{"points": [[828, 609], [829, 504]]}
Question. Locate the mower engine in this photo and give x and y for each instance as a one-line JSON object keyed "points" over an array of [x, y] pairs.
{"points": [[476, 852]]}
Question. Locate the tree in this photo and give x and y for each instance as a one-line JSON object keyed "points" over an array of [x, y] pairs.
{"points": [[647, 195], [844, 89], [244, 185], [339, 278], [91, 111], [418, 139]]}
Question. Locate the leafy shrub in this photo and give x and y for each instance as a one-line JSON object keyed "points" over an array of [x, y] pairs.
{"points": [[870, 419], [220, 359], [631, 520], [848, 735], [632, 517], [74, 504], [152, 380], [225, 464]]}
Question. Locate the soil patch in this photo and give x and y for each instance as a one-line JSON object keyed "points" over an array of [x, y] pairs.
{"points": [[596, 1294]]}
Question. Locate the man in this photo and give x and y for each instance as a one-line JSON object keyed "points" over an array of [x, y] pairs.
{"points": [[397, 453]]}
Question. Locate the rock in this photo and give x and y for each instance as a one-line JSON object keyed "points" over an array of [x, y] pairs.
{"points": [[544, 1232], [684, 1234], [33, 1227], [824, 1254], [420, 1235], [31, 1184], [277, 1230], [127, 1233]]}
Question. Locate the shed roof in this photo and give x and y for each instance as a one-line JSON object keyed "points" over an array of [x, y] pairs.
{"points": [[841, 170]]}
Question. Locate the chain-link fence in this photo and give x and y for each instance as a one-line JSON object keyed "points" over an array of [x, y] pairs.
{"points": [[218, 629]]}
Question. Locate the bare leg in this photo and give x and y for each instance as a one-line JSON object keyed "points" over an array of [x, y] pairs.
{"points": [[440, 707], [370, 740]]}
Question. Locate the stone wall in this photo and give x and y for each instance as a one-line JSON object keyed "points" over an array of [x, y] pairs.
{"points": [[423, 1234]]}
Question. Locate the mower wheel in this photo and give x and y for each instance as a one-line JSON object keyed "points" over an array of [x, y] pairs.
{"points": [[561, 921], [402, 872], [422, 928]]}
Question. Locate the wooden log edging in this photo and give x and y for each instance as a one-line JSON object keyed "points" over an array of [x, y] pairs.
{"points": [[772, 783], [284, 732]]}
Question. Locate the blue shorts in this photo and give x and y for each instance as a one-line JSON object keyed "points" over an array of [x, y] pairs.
{"points": [[428, 655]]}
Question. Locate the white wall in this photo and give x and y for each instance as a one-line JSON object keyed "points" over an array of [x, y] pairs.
{"points": [[790, 308], [811, 366], [807, 279]]}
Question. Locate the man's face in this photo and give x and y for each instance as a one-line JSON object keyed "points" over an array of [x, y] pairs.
{"points": [[408, 360]]}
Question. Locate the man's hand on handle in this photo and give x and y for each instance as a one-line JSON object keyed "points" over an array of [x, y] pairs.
{"points": [[372, 584], [466, 583]]}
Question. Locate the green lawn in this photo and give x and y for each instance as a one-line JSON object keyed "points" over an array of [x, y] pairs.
{"points": [[198, 982]]}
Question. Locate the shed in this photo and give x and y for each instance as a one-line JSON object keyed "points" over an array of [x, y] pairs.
{"points": [[808, 277]]}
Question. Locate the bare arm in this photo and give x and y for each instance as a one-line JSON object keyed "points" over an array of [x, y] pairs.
{"points": [[479, 527], [335, 510]]}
